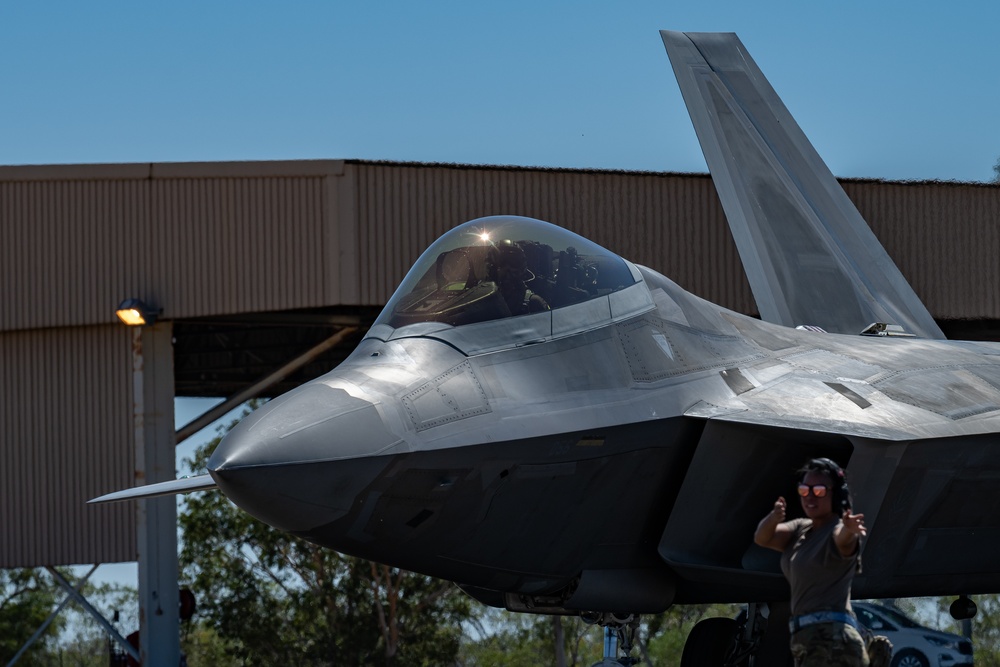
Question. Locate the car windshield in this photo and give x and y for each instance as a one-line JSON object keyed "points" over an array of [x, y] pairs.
{"points": [[503, 266], [897, 617]]}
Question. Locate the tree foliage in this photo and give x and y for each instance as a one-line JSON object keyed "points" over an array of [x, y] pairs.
{"points": [[74, 637], [667, 632], [985, 626], [26, 599], [500, 638], [985, 630], [274, 599], [84, 642]]}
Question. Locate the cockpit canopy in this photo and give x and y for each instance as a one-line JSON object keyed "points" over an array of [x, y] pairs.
{"points": [[503, 266]]}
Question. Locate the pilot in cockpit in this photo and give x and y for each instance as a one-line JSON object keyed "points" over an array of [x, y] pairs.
{"points": [[511, 272]]}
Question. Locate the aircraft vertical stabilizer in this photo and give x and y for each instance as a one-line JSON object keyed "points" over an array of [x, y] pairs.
{"points": [[809, 255]]}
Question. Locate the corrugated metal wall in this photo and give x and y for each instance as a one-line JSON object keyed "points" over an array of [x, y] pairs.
{"points": [[65, 437], [943, 236], [227, 238], [195, 239], [669, 222]]}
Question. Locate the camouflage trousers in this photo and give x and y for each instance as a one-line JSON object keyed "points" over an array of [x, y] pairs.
{"points": [[829, 645]]}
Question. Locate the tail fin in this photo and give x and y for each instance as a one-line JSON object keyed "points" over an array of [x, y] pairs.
{"points": [[809, 255]]}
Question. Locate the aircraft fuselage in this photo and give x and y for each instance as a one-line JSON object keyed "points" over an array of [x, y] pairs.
{"points": [[548, 467]]}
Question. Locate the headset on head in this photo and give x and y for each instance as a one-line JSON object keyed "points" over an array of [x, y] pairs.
{"points": [[841, 493]]}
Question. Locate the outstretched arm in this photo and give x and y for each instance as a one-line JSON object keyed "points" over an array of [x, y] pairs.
{"points": [[772, 531], [849, 532]]}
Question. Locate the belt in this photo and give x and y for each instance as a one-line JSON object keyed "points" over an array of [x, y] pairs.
{"points": [[798, 622]]}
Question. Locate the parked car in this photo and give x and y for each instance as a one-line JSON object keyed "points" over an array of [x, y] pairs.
{"points": [[914, 645]]}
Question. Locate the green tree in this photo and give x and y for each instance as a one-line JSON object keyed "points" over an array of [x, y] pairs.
{"points": [[985, 626], [667, 632], [500, 638], [274, 599], [204, 647], [985, 630], [26, 600], [83, 641]]}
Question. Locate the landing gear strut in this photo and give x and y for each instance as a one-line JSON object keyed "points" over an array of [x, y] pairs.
{"points": [[619, 633], [751, 626]]}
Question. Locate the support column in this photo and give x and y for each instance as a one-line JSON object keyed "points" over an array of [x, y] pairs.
{"points": [[153, 418]]}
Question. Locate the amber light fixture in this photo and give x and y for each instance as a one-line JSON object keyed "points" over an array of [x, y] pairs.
{"points": [[136, 312]]}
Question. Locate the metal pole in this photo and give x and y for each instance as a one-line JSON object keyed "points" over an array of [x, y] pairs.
{"points": [[153, 417], [610, 643]]}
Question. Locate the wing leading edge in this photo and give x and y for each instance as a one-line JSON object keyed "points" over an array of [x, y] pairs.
{"points": [[808, 254]]}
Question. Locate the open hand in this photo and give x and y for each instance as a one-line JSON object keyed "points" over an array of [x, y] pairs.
{"points": [[854, 524]]}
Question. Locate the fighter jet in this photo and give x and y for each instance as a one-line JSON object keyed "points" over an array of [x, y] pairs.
{"points": [[559, 430]]}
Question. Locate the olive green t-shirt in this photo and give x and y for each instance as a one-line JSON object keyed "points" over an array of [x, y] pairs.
{"points": [[819, 576]]}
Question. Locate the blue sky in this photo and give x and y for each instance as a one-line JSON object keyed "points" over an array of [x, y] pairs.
{"points": [[896, 90]]}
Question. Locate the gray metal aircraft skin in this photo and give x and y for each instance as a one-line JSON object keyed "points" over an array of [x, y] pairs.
{"points": [[614, 451]]}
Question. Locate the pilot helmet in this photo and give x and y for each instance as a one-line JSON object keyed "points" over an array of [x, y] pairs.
{"points": [[510, 256]]}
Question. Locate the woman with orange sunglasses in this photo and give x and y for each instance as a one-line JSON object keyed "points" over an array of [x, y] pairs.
{"points": [[820, 554]]}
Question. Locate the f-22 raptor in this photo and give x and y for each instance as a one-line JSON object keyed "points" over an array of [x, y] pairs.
{"points": [[558, 430]]}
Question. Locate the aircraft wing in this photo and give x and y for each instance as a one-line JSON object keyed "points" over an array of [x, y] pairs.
{"points": [[809, 256], [172, 487]]}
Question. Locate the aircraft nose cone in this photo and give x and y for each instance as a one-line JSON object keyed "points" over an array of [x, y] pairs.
{"points": [[312, 423], [300, 460]]}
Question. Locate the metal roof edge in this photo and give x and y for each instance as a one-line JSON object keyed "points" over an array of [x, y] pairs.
{"points": [[167, 170], [335, 167]]}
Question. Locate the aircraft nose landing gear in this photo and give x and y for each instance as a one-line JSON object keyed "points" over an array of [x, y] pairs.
{"points": [[619, 633]]}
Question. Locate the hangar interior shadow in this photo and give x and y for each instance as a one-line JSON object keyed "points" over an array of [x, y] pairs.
{"points": [[221, 356]]}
